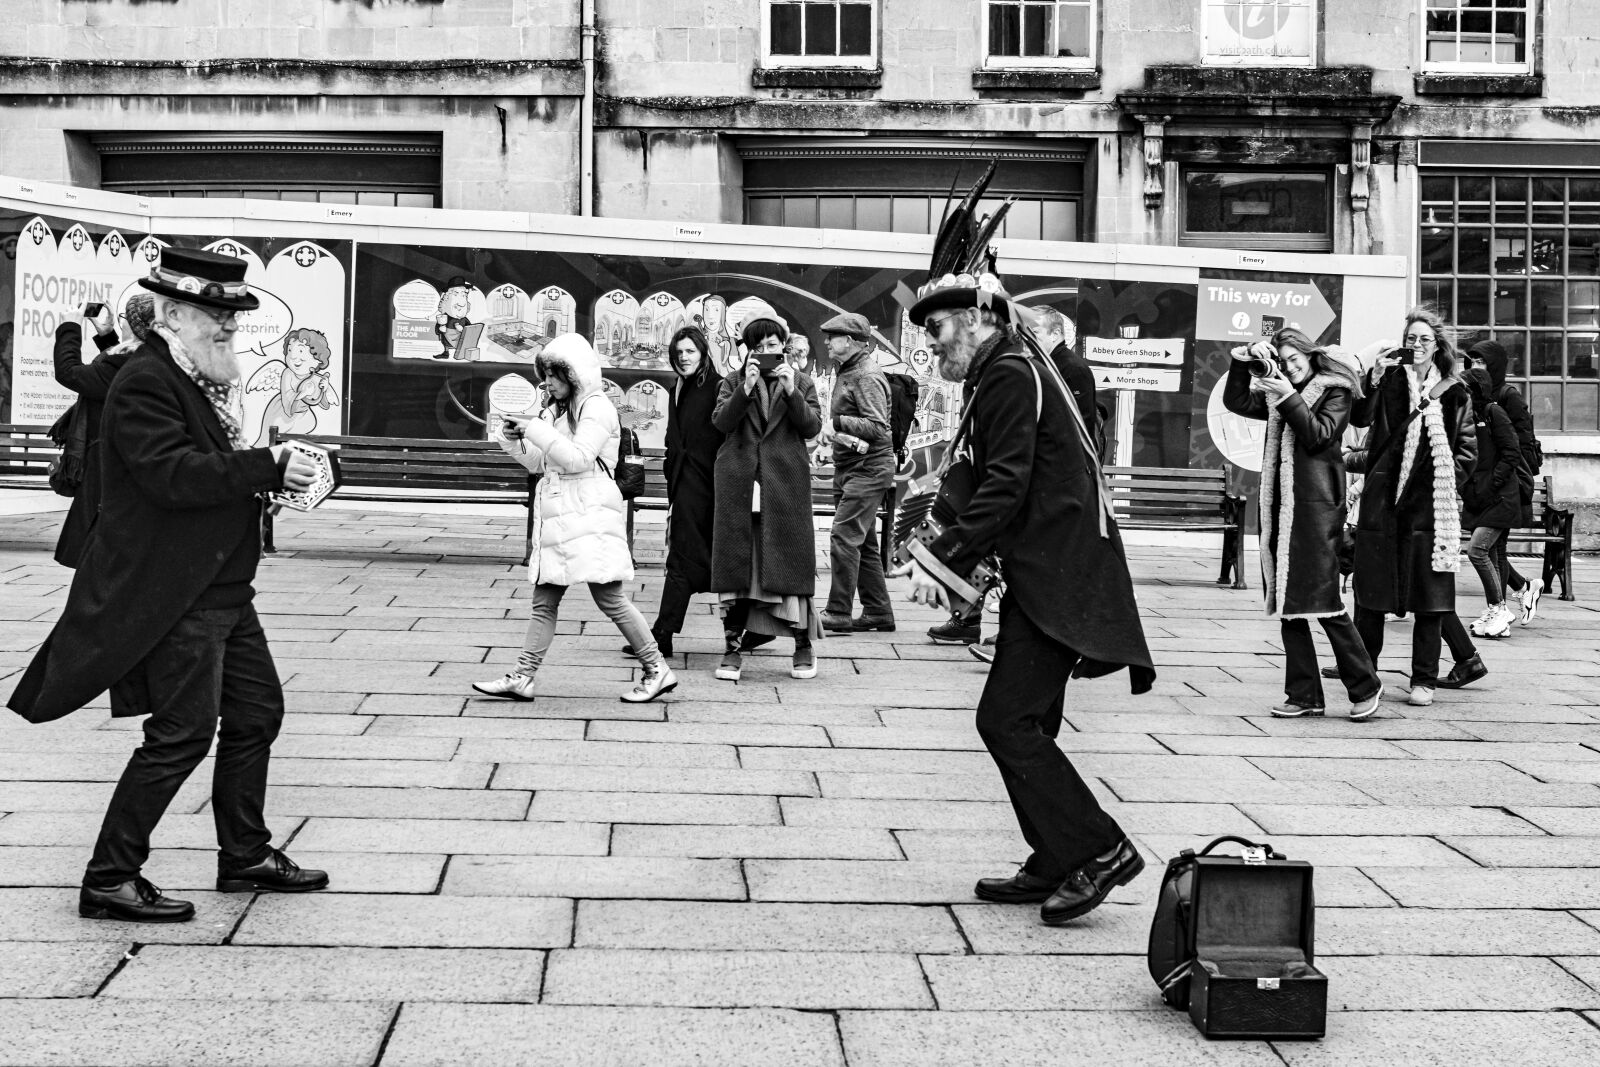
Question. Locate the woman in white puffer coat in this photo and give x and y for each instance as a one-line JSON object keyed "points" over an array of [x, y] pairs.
{"points": [[579, 519]]}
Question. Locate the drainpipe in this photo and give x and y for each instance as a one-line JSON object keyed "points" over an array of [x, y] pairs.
{"points": [[586, 114]]}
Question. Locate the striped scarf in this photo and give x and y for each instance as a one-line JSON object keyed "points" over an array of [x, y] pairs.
{"points": [[224, 399], [1446, 504]]}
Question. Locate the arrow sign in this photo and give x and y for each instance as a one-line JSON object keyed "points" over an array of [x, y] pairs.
{"points": [[1133, 350], [1140, 378], [1243, 311]]}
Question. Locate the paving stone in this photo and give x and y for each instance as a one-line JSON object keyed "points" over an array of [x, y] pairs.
{"points": [[1438, 983], [1386, 819], [1509, 751], [1446, 932], [442, 774], [963, 1038], [702, 711], [414, 802], [1179, 790], [864, 880], [186, 869], [1121, 926], [708, 733], [543, 729], [766, 926], [1527, 731], [51, 914], [1517, 851], [1413, 770], [699, 808], [1042, 983], [1187, 724], [753, 842], [595, 876], [655, 780], [83, 827], [912, 786], [1545, 1039], [898, 814], [1333, 851], [408, 704], [57, 969], [1536, 887], [867, 760], [405, 922], [1493, 795], [1562, 821], [58, 796], [1207, 820], [532, 1036], [113, 1033], [604, 753], [238, 972], [701, 979], [455, 836], [1387, 728]]}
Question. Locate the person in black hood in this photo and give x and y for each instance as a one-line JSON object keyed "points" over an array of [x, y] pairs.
{"points": [[1493, 358]]}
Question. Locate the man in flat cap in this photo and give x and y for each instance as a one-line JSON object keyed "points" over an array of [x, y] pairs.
{"points": [[161, 607], [863, 471]]}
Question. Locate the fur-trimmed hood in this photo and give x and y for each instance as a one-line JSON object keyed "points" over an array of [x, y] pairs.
{"points": [[573, 352]]}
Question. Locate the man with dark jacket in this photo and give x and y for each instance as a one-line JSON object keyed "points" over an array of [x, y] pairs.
{"points": [[160, 610], [1494, 359], [1059, 337], [863, 471], [1068, 612]]}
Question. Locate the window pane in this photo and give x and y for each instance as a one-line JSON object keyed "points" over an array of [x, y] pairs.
{"points": [[329, 197], [1246, 202], [1038, 30], [911, 214], [1582, 358], [375, 199], [838, 212], [872, 213], [1546, 355], [800, 211], [1024, 219], [1548, 251], [1511, 199], [406, 199], [1547, 304], [1442, 295], [855, 30], [786, 29], [1544, 401], [764, 211], [1511, 251], [1472, 303], [1060, 221], [1073, 36], [1005, 30], [309, 196], [1515, 342], [1584, 206], [822, 36], [1549, 200], [1473, 254], [1580, 408], [1438, 190], [1438, 250], [1583, 252], [1510, 304], [1583, 300]]}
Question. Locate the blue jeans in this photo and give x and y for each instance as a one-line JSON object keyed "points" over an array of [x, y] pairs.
{"points": [[609, 598], [1481, 553]]}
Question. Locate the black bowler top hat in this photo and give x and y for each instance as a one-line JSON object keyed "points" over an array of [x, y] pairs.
{"points": [[205, 278], [456, 282]]}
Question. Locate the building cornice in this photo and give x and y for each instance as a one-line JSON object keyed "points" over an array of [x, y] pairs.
{"points": [[29, 76]]}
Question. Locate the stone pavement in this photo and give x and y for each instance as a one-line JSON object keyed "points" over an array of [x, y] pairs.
{"points": [[779, 871]]}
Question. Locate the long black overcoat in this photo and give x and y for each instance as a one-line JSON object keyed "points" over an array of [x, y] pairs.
{"points": [[1394, 538], [1493, 497], [176, 501], [692, 444], [1036, 505], [1304, 581], [90, 381], [770, 449]]}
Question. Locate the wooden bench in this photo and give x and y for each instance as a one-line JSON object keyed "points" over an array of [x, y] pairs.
{"points": [[1168, 498], [419, 470], [1548, 535], [26, 452]]}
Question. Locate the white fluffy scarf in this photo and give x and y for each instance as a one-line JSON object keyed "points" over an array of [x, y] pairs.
{"points": [[1277, 503], [1446, 504]]}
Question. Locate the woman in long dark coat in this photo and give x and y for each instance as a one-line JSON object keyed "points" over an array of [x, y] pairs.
{"points": [[692, 444], [1306, 406], [1408, 537], [763, 557], [1491, 502]]}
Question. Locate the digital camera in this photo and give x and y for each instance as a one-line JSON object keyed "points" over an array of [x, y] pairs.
{"points": [[1261, 367]]}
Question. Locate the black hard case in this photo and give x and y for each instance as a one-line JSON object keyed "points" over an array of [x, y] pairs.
{"points": [[1254, 972]]}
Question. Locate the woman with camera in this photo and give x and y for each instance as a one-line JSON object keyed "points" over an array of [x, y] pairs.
{"points": [[579, 519], [1420, 451], [1304, 393], [763, 556]]}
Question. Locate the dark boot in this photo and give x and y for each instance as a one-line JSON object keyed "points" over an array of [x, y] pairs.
{"points": [[728, 669]]}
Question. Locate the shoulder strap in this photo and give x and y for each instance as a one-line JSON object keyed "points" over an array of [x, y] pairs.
{"points": [[1439, 389]]}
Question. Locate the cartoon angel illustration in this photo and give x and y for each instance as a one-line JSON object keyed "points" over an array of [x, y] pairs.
{"points": [[301, 382]]}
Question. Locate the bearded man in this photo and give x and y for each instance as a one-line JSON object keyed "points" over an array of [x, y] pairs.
{"points": [[160, 610], [1068, 611]]}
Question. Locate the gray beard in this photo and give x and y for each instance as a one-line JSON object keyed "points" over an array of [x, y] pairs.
{"points": [[956, 357], [219, 364]]}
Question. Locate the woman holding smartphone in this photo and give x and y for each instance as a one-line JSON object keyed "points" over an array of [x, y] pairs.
{"points": [[1408, 538], [763, 558], [579, 519]]}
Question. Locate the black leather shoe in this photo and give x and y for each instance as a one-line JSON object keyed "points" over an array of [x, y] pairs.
{"points": [[134, 901], [839, 624], [275, 874], [1329, 672], [1020, 888], [1464, 673], [1088, 886], [880, 623]]}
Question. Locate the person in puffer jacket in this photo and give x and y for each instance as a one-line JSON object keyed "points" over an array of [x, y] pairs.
{"points": [[579, 518]]}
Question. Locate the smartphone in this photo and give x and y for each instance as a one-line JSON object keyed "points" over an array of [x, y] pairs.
{"points": [[1404, 356], [767, 362], [93, 311]]}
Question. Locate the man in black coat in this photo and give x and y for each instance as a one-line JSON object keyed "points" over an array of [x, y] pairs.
{"points": [[1059, 337], [1068, 611], [160, 610]]}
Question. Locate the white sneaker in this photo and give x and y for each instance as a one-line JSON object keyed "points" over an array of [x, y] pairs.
{"points": [[1476, 628], [1529, 598], [514, 685], [651, 686], [1496, 623], [1421, 696], [1365, 709]]}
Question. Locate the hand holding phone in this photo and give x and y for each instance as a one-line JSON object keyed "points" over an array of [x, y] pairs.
{"points": [[513, 427], [99, 316]]}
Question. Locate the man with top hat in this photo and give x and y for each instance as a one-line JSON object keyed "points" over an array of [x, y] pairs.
{"points": [[863, 471], [160, 611], [451, 321], [1037, 504]]}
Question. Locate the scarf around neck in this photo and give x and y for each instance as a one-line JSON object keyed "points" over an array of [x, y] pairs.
{"points": [[1277, 502], [1446, 556], [224, 399]]}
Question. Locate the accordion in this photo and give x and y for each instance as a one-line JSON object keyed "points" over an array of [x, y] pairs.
{"points": [[327, 480], [922, 518]]}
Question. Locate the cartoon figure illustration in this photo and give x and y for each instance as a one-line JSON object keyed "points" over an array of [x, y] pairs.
{"points": [[452, 317], [713, 321], [301, 381]]}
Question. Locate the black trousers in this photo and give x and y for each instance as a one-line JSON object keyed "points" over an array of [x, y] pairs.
{"points": [[1456, 636], [214, 665], [675, 597], [1019, 716], [1425, 632], [1302, 683]]}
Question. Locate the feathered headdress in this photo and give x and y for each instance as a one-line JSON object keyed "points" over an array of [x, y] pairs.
{"points": [[962, 271]]}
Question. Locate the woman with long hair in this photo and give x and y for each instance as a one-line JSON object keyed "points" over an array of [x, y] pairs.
{"points": [[1420, 451], [1491, 502], [579, 518], [763, 558], [692, 444], [1304, 393]]}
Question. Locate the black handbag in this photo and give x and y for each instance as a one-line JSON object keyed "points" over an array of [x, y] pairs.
{"points": [[71, 432], [629, 474]]}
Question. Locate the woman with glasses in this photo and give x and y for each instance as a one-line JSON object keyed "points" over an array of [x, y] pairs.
{"points": [[1408, 538], [763, 556]]}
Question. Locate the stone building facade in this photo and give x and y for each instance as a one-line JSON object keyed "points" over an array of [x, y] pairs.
{"points": [[1462, 134]]}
